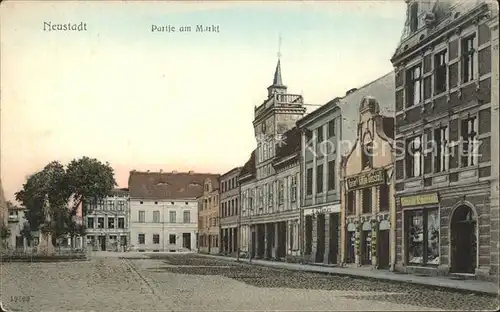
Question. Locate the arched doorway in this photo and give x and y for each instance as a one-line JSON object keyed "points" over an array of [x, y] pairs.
{"points": [[463, 240]]}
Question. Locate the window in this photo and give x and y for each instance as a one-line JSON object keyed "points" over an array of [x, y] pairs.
{"points": [[171, 239], [422, 236], [270, 195], [121, 223], [156, 216], [469, 142], [383, 192], [367, 200], [468, 59], [142, 216], [440, 77], [320, 134], [413, 17], [367, 155], [413, 157], [172, 216], [121, 205], [291, 239], [331, 128], [100, 223], [111, 204], [351, 202], [100, 205], [281, 191], [441, 160], [90, 222], [331, 175], [293, 189], [186, 216], [156, 239], [236, 207], [414, 86], [309, 177], [319, 179], [111, 223], [309, 136], [141, 239]]}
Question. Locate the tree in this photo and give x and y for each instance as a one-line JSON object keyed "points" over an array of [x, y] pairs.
{"points": [[65, 189], [89, 179]]}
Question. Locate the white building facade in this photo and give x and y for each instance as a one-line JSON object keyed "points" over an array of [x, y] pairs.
{"points": [[107, 224], [164, 210]]}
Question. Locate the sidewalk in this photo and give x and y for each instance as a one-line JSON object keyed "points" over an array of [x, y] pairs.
{"points": [[464, 285]]}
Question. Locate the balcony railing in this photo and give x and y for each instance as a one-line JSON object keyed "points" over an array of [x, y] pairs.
{"points": [[281, 100]]}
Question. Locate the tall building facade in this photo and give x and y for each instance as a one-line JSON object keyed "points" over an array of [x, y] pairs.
{"points": [[446, 222], [107, 224], [164, 209], [320, 179], [229, 211], [208, 218], [368, 212], [264, 214]]}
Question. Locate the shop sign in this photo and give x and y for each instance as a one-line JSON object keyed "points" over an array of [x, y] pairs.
{"points": [[324, 210], [420, 200], [371, 178]]}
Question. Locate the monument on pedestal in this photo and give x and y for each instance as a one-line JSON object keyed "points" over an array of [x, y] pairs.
{"points": [[45, 245]]}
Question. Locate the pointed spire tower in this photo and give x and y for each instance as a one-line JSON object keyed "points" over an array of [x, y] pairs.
{"points": [[277, 86]]}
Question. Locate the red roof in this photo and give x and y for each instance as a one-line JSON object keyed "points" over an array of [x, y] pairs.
{"points": [[171, 185]]}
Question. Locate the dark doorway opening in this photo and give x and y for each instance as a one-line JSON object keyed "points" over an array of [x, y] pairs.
{"points": [[463, 241], [320, 242], [235, 240], [350, 250], [383, 249], [282, 241], [102, 242], [252, 243], [261, 241], [186, 240], [270, 239], [333, 229], [308, 232], [366, 248]]}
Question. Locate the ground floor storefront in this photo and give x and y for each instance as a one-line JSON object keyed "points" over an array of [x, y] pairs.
{"points": [[447, 232], [322, 234], [368, 241], [108, 241], [229, 239], [209, 243], [275, 238]]}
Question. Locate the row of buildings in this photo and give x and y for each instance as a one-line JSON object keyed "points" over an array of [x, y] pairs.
{"points": [[397, 174]]}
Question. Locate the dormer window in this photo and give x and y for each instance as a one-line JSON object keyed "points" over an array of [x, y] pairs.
{"points": [[414, 17]]}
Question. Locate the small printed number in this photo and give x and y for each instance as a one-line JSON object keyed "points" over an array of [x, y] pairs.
{"points": [[20, 298]]}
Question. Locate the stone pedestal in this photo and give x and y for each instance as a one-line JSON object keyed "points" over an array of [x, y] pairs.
{"points": [[45, 247]]}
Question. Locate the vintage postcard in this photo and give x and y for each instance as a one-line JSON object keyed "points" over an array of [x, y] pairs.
{"points": [[249, 155]]}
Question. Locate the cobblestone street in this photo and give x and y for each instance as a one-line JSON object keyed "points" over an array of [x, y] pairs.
{"points": [[134, 282]]}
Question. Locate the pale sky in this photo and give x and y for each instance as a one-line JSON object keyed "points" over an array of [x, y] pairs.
{"points": [[172, 101]]}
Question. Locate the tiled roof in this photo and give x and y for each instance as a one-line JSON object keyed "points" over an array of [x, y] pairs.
{"points": [[168, 185], [232, 171], [249, 167], [291, 144]]}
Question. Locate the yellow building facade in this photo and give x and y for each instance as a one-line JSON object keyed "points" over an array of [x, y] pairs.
{"points": [[368, 208], [208, 218]]}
